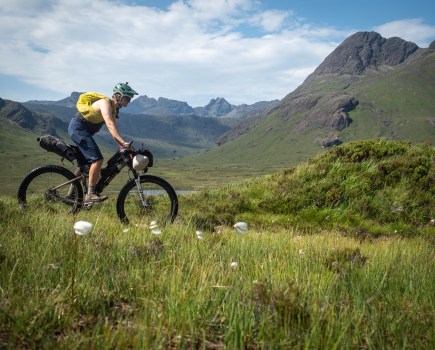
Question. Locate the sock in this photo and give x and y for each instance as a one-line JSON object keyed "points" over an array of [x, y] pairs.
{"points": [[91, 189]]}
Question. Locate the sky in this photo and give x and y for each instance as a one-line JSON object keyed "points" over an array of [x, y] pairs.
{"points": [[187, 50]]}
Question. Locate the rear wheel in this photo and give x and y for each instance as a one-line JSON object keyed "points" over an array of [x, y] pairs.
{"points": [[153, 200], [50, 186]]}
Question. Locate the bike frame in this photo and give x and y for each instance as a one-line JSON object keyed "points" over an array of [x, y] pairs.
{"points": [[113, 167]]}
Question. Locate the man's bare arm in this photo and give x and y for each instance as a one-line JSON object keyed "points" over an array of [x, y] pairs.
{"points": [[103, 106]]}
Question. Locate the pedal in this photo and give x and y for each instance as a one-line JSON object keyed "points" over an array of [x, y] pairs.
{"points": [[88, 205]]}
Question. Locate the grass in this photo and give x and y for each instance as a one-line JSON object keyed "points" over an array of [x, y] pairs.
{"points": [[368, 187], [134, 289], [323, 275]]}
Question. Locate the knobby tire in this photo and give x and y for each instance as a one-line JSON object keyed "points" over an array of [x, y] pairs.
{"points": [[35, 188], [161, 199]]}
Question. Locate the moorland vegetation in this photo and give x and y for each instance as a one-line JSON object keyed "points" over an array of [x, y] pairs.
{"points": [[339, 254]]}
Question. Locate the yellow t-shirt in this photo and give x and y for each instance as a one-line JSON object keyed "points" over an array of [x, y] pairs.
{"points": [[84, 106]]}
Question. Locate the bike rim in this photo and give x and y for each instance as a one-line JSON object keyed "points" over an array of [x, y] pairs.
{"points": [[154, 210], [45, 190]]}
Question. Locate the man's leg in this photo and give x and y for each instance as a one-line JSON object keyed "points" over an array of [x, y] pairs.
{"points": [[94, 176]]}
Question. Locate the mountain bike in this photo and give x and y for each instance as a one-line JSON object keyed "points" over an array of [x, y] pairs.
{"points": [[143, 198]]}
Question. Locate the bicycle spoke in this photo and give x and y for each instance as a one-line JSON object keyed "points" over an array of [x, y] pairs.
{"points": [[157, 204], [50, 187]]}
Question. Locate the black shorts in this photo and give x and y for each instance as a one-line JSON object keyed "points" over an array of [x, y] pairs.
{"points": [[82, 136]]}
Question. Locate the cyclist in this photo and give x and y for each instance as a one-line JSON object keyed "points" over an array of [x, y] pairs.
{"points": [[95, 110]]}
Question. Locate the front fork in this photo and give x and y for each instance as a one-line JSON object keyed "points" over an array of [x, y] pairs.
{"points": [[140, 190], [143, 201]]}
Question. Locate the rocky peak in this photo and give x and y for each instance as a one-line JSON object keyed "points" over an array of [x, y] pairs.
{"points": [[363, 50], [17, 113], [162, 106], [70, 101], [144, 102], [174, 106], [218, 107]]}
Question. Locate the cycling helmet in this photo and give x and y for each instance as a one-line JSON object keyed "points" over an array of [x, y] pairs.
{"points": [[124, 90]]}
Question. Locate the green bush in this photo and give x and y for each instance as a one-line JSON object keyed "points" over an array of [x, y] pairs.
{"points": [[382, 182]]}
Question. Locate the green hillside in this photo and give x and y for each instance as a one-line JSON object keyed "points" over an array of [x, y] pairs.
{"points": [[400, 105], [397, 103], [338, 255], [20, 153], [362, 187]]}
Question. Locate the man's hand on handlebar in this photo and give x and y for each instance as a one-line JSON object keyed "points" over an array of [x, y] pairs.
{"points": [[127, 145]]}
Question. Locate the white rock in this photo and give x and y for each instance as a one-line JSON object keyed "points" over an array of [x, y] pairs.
{"points": [[82, 228], [241, 227]]}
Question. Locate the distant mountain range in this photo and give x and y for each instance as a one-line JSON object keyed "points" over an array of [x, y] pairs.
{"points": [[172, 127], [218, 107], [368, 87]]}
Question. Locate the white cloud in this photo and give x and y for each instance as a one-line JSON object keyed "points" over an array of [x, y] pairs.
{"points": [[193, 51], [270, 21], [414, 30]]}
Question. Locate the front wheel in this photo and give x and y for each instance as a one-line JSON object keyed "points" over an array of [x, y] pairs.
{"points": [[50, 186], [146, 199]]}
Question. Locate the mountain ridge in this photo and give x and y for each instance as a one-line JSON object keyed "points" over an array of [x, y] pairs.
{"points": [[20, 115], [389, 95], [365, 50], [218, 107]]}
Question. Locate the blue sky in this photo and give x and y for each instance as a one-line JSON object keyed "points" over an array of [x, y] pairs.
{"points": [[188, 50]]}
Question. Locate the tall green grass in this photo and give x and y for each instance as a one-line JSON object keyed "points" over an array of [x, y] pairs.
{"points": [[116, 289], [317, 269]]}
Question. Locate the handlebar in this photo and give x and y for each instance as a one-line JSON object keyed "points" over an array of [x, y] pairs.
{"points": [[129, 152], [129, 144], [128, 147]]}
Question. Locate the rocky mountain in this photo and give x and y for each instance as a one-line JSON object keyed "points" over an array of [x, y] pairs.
{"points": [[162, 106], [40, 123], [368, 87], [362, 57], [167, 135], [362, 51], [216, 108], [69, 101]]}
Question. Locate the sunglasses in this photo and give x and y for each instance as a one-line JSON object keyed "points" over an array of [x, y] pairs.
{"points": [[127, 98]]}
